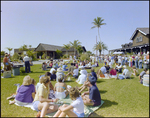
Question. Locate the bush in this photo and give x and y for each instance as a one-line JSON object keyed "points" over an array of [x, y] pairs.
{"points": [[43, 56], [48, 57], [64, 56], [84, 56], [15, 57]]}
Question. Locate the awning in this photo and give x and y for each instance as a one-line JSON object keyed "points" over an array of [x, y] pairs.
{"points": [[118, 53]]}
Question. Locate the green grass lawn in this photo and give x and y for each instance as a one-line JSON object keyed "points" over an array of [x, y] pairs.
{"points": [[121, 98]]}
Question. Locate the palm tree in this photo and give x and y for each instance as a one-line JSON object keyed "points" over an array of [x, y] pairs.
{"points": [[67, 47], [9, 49], [98, 23], [99, 46], [75, 45], [23, 48]]}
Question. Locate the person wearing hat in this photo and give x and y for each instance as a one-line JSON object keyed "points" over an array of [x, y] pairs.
{"points": [[122, 76], [25, 93], [82, 78], [94, 97], [60, 72], [26, 59]]}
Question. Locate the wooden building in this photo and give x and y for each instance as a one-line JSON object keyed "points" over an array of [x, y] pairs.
{"points": [[140, 42]]}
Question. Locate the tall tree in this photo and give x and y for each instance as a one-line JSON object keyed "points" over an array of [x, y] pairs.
{"points": [[98, 23], [75, 45], [67, 47], [99, 46], [9, 49]]}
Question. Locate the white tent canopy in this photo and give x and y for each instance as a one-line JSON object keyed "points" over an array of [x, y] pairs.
{"points": [[118, 53]]}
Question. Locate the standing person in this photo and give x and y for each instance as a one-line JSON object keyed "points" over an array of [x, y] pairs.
{"points": [[26, 59], [6, 63], [41, 102], [140, 63], [75, 109], [75, 57], [136, 61], [94, 98]]}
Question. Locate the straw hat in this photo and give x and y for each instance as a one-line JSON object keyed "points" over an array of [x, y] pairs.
{"points": [[59, 70]]}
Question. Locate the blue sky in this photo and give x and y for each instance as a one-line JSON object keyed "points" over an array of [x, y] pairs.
{"points": [[59, 22]]}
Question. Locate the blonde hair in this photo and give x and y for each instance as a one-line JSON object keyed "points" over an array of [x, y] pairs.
{"points": [[45, 79], [73, 93], [27, 80], [33, 81]]}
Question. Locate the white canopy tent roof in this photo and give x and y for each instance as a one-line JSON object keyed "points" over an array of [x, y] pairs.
{"points": [[118, 53]]}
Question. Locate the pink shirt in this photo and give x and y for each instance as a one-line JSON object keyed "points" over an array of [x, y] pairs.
{"points": [[113, 72]]}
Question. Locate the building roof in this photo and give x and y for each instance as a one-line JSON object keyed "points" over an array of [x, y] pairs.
{"points": [[47, 47], [144, 31]]}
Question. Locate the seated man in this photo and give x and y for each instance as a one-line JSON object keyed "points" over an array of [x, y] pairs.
{"points": [[122, 76], [75, 72], [119, 68], [94, 98], [71, 68], [141, 75], [64, 67]]}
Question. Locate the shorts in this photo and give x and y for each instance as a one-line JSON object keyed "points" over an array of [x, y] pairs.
{"points": [[75, 76], [35, 105], [96, 103], [60, 95], [79, 115], [20, 103]]}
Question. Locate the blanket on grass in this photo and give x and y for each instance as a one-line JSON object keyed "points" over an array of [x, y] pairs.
{"points": [[87, 109]]}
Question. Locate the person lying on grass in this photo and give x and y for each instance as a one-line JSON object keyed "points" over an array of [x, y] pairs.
{"points": [[25, 93], [75, 109], [41, 101], [94, 98], [60, 88]]}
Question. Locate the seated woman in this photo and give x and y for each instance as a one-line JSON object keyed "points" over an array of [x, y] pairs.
{"points": [[100, 74], [25, 93], [113, 73], [64, 67], [41, 101], [60, 88], [82, 77], [75, 109], [51, 64], [135, 71]]}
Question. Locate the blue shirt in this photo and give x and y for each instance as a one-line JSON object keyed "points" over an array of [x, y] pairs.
{"points": [[53, 76], [94, 94], [103, 69], [94, 74]]}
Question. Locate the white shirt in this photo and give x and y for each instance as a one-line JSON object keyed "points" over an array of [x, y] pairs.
{"points": [[26, 58], [75, 71], [78, 105], [51, 71], [125, 71]]}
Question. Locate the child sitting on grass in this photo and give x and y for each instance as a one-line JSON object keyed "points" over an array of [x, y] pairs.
{"points": [[75, 109]]}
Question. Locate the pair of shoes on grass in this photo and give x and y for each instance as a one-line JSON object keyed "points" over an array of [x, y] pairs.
{"points": [[11, 102]]}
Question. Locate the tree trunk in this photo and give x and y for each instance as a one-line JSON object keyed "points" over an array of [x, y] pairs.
{"points": [[100, 40]]}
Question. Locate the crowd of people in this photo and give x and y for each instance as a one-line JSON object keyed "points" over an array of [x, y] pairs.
{"points": [[43, 94]]}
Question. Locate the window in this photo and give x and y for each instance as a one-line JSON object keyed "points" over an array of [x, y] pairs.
{"points": [[139, 39]]}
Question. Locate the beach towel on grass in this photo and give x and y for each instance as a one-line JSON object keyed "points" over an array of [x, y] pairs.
{"points": [[87, 109]]}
